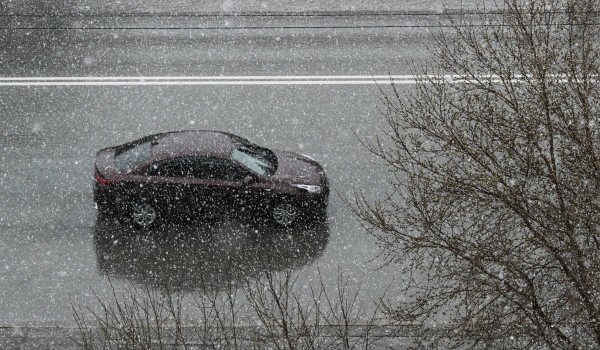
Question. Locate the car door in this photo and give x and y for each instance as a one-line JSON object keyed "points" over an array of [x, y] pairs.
{"points": [[168, 181], [244, 192], [217, 183]]}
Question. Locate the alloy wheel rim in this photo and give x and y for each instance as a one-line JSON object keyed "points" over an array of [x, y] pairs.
{"points": [[285, 214], [143, 214]]}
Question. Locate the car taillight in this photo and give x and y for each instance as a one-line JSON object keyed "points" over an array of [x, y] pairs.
{"points": [[102, 181]]}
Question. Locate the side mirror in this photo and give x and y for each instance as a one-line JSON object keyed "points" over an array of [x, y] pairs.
{"points": [[248, 179]]}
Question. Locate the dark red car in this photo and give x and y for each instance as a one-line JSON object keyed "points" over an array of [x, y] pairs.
{"points": [[189, 174]]}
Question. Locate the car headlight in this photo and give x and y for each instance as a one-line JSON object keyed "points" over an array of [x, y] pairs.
{"points": [[308, 188]]}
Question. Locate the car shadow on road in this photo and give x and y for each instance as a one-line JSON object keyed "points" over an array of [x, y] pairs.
{"points": [[186, 257]]}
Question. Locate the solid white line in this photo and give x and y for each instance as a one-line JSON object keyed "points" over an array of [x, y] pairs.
{"points": [[238, 80], [208, 80], [216, 78], [182, 83]]}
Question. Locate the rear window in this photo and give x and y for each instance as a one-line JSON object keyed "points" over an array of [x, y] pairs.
{"points": [[129, 158]]}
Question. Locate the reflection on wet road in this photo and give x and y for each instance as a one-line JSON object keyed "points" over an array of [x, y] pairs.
{"points": [[203, 255], [49, 237]]}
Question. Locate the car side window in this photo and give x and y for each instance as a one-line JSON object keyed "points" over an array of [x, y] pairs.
{"points": [[177, 167], [197, 167], [217, 169], [157, 168]]}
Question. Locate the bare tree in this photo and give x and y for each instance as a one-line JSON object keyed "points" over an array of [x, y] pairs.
{"points": [[494, 206]]}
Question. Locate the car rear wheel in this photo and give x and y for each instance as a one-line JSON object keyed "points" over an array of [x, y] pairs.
{"points": [[143, 214], [285, 214]]}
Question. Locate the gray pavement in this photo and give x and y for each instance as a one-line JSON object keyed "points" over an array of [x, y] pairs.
{"points": [[8, 7], [239, 46]]}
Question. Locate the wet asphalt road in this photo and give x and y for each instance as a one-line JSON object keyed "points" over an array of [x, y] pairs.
{"points": [[236, 6], [53, 249]]}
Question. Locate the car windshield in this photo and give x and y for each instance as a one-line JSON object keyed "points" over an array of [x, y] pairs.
{"points": [[259, 160], [126, 160]]}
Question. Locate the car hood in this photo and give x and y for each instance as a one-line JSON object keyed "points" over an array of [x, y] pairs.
{"points": [[295, 167]]}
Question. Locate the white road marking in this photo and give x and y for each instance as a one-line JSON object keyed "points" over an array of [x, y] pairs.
{"points": [[210, 80], [158, 83], [236, 80]]}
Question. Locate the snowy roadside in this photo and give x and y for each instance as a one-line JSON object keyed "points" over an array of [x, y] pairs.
{"points": [[50, 337]]}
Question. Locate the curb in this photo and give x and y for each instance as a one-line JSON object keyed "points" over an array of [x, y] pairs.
{"points": [[56, 337]]}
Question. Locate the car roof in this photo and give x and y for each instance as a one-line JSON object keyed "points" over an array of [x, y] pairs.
{"points": [[192, 143]]}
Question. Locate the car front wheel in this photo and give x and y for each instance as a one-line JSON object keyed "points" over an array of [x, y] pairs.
{"points": [[143, 214], [285, 214]]}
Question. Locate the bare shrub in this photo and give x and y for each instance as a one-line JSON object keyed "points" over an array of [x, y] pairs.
{"points": [[139, 318], [268, 312], [221, 313]]}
